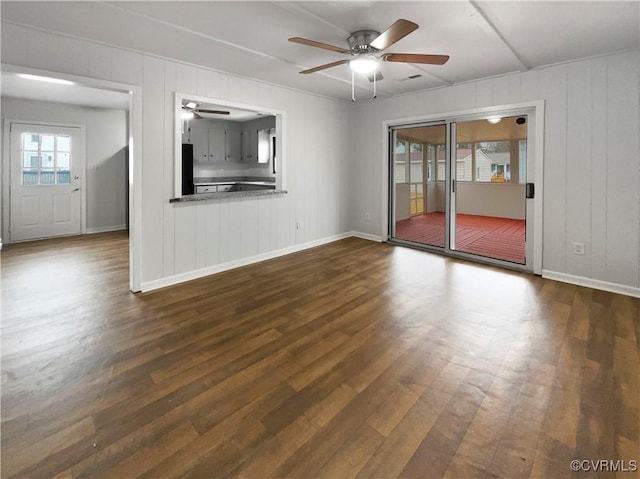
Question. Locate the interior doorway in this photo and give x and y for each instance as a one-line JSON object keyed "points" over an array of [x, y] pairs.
{"points": [[464, 186], [38, 90]]}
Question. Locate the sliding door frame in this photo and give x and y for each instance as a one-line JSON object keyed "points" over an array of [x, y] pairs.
{"points": [[535, 164]]}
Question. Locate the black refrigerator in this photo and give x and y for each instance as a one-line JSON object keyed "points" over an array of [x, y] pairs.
{"points": [[187, 169]]}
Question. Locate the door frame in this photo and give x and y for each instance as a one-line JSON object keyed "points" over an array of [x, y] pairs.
{"points": [[134, 119], [537, 162], [8, 164]]}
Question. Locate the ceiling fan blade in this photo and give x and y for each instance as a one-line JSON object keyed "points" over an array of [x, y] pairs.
{"points": [[378, 76], [400, 29], [324, 67], [415, 58], [196, 116], [313, 43], [212, 112]]}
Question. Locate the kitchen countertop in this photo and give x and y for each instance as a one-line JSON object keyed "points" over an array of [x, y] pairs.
{"points": [[221, 195]]}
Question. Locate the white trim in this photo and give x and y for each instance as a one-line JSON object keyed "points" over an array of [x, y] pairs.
{"points": [[592, 283], [366, 236], [511, 108], [135, 156], [281, 144], [106, 229], [199, 273]]}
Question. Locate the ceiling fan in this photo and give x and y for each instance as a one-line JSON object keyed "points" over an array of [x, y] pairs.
{"points": [[364, 45], [191, 108]]}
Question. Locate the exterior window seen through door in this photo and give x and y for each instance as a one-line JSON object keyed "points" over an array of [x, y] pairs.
{"points": [[46, 159]]}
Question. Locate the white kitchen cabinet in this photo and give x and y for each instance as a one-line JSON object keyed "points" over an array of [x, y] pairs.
{"points": [[233, 145], [250, 146], [200, 140], [217, 145]]}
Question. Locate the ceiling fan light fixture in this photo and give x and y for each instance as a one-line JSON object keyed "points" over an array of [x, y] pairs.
{"points": [[494, 120], [364, 65], [187, 115], [191, 104]]}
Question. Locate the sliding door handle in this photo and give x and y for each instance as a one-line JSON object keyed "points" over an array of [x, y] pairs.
{"points": [[530, 191]]}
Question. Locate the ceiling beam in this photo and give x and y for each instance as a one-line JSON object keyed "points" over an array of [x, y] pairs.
{"points": [[485, 17]]}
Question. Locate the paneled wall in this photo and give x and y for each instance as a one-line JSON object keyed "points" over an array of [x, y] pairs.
{"points": [[182, 238], [591, 159], [334, 167]]}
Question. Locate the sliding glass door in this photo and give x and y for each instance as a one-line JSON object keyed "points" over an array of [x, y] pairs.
{"points": [[417, 184], [490, 213], [460, 186]]}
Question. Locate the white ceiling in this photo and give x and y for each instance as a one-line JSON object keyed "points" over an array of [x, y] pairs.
{"points": [[249, 39]]}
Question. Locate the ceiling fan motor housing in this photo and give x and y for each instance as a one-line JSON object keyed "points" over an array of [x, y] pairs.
{"points": [[360, 42]]}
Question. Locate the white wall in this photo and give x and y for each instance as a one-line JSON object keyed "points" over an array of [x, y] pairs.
{"points": [[334, 164], [184, 237], [591, 158], [106, 140]]}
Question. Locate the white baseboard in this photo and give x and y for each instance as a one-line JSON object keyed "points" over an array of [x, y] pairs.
{"points": [[199, 273], [105, 229], [366, 236], [592, 283]]}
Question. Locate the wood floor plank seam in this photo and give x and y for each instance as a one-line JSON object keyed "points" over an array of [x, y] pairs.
{"points": [[351, 359]]}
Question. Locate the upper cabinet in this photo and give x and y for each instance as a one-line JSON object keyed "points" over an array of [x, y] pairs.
{"points": [[200, 140], [223, 142], [233, 142], [217, 145], [249, 145]]}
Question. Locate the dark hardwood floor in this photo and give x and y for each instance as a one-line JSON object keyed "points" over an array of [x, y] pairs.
{"points": [[353, 359]]}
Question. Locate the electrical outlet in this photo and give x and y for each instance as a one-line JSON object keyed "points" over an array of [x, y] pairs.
{"points": [[367, 216], [578, 248], [297, 225]]}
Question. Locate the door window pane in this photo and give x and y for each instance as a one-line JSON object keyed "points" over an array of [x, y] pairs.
{"points": [[63, 160], [63, 143], [30, 141], [30, 176], [47, 142], [418, 200], [46, 159], [63, 177], [47, 176], [30, 160]]}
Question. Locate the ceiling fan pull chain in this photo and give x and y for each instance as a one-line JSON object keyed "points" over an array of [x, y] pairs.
{"points": [[353, 86], [375, 74]]}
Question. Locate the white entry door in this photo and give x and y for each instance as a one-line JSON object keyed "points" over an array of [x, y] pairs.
{"points": [[47, 164]]}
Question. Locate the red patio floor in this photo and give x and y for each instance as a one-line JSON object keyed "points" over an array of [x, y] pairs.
{"points": [[500, 238]]}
